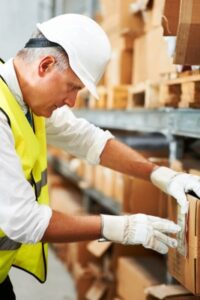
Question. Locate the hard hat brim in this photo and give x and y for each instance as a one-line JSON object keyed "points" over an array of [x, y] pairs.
{"points": [[91, 88]]}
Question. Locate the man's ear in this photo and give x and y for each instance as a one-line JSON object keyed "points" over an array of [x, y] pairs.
{"points": [[46, 65]]}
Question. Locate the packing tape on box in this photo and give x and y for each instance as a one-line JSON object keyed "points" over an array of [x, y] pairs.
{"points": [[182, 236]]}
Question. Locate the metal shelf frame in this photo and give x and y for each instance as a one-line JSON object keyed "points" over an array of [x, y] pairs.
{"points": [[168, 121], [173, 123]]}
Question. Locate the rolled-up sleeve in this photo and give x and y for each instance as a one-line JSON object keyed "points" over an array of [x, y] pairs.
{"points": [[21, 217], [76, 135]]}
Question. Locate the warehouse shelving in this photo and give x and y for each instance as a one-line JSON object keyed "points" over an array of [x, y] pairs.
{"points": [[62, 167], [168, 121], [173, 123]]}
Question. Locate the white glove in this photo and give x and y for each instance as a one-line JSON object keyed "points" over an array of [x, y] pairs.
{"points": [[176, 184], [140, 229]]}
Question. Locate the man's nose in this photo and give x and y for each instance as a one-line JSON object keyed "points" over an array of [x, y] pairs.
{"points": [[70, 101]]}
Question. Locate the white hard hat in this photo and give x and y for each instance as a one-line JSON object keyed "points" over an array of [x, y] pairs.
{"points": [[85, 43]]}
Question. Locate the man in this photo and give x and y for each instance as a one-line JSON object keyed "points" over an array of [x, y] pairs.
{"points": [[37, 88]]}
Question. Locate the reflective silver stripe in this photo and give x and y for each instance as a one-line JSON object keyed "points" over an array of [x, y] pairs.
{"points": [[8, 244], [41, 183]]}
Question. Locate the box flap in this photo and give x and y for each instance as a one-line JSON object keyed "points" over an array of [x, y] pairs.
{"points": [[162, 291], [98, 248]]}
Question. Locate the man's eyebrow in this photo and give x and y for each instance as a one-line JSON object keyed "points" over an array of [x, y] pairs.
{"points": [[79, 87], [76, 86]]}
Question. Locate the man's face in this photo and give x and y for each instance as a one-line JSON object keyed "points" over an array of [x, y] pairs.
{"points": [[52, 89]]}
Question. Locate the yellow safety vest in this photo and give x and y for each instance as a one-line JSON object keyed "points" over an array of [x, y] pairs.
{"points": [[30, 146]]}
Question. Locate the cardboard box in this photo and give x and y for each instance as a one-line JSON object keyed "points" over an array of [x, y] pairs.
{"points": [[188, 36], [89, 174], [171, 17], [134, 275], [124, 41], [141, 196], [98, 177], [84, 278], [108, 182], [119, 69], [187, 269], [119, 251], [153, 14], [171, 292], [118, 188], [117, 17], [103, 287], [150, 57], [67, 201], [97, 290], [77, 253]]}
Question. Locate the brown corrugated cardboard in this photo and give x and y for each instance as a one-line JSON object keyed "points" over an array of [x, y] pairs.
{"points": [[97, 248], [188, 36], [84, 278], [134, 275], [141, 196], [117, 17], [108, 182], [97, 290], [171, 291], [187, 269], [119, 69], [151, 58], [118, 188], [179, 297], [171, 17], [119, 250], [152, 15]]}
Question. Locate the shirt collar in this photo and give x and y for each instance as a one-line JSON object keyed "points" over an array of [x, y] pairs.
{"points": [[7, 71]]}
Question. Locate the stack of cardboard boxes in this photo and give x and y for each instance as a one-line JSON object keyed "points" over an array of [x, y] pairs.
{"points": [[151, 59], [152, 41], [119, 24], [104, 270]]}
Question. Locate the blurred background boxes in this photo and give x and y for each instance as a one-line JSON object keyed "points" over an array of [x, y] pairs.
{"points": [[134, 275], [171, 17], [188, 35], [151, 58]]}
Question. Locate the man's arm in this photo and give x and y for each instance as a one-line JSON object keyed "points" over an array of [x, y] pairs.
{"points": [[121, 158], [63, 228], [135, 229]]}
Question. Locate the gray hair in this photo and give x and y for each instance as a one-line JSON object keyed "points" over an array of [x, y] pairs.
{"points": [[31, 54]]}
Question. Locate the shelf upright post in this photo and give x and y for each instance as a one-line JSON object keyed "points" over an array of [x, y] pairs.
{"points": [[176, 147]]}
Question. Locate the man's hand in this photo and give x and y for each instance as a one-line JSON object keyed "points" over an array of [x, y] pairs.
{"points": [[140, 229], [176, 184]]}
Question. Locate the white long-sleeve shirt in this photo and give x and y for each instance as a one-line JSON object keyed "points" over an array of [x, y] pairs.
{"points": [[21, 217]]}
